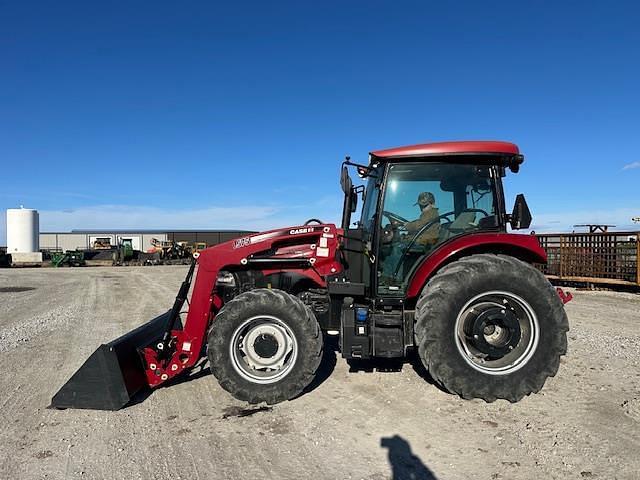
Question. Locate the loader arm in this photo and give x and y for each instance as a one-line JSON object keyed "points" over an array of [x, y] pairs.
{"points": [[308, 250], [164, 347]]}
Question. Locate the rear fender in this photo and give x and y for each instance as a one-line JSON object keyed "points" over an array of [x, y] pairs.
{"points": [[524, 247]]}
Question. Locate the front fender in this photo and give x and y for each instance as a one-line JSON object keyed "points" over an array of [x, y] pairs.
{"points": [[524, 247]]}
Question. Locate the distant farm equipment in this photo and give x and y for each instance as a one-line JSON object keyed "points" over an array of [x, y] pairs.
{"points": [[70, 258], [102, 244], [105, 253], [175, 252]]}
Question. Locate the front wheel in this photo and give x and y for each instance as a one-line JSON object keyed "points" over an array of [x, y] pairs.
{"points": [[490, 326], [264, 346]]}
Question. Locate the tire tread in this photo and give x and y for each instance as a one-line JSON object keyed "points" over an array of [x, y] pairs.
{"points": [[433, 302], [309, 346]]}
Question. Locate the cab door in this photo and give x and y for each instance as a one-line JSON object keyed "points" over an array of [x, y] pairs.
{"points": [[423, 206]]}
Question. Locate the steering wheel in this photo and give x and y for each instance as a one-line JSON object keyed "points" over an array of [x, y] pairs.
{"points": [[394, 217], [390, 232], [426, 227], [311, 220]]}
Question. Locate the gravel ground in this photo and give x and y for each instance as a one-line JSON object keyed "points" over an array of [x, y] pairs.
{"points": [[379, 425]]}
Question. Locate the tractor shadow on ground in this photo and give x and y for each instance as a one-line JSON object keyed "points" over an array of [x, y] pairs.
{"points": [[404, 464], [415, 362], [395, 365], [375, 365], [327, 364]]}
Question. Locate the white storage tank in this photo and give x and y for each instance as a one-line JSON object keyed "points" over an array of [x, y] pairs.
{"points": [[23, 230]]}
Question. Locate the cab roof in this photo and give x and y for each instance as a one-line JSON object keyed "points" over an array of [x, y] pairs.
{"points": [[479, 148]]}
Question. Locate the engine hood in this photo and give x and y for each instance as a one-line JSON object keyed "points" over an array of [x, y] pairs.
{"points": [[318, 243]]}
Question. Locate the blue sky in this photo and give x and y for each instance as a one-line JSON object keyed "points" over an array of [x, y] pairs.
{"points": [[220, 115]]}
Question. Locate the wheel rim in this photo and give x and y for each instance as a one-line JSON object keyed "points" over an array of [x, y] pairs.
{"points": [[497, 332], [263, 349]]}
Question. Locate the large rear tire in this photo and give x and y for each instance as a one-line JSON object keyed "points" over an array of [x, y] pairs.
{"points": [[490, 326], [264, 346]]}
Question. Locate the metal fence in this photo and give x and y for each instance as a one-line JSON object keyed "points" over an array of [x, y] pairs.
{"points": [[610, 258]]}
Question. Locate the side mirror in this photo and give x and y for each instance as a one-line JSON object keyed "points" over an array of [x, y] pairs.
{"points": [[515, 162], [521, 216], [345, 181]]}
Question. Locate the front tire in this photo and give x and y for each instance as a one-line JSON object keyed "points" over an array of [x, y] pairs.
{"points": [[265, 345], [490, 326]]}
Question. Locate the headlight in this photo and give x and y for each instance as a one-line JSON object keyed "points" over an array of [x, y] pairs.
{"points": [[226, 279]]}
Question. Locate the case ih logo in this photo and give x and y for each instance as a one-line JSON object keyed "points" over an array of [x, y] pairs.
{"points": [[241, 242], [300, 230]]}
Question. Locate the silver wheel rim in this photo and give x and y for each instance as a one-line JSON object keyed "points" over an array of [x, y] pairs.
{"points": [[255, 362], [520, 350]]}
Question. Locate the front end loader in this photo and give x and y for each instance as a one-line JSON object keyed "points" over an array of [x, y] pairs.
{"points": [[429, 268]]}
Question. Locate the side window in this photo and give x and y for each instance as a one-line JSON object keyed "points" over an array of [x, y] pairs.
{"points": [[480, 196], [403, 197], [479, 209], [424, 205], [414, 207]]}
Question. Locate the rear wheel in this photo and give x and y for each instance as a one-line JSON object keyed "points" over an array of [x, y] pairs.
{"points": [[264, 346], [490, 326]]}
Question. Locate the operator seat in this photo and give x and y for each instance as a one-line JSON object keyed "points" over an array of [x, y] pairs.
{"points": [[462, 223]]}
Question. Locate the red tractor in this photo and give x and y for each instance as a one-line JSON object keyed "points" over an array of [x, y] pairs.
{"points": [[428, 267]]}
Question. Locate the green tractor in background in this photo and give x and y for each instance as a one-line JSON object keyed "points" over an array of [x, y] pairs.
{"points": [[124, 252], [70, 258]]}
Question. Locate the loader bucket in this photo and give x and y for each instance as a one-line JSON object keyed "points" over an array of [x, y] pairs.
{"points": [[113, 373]]}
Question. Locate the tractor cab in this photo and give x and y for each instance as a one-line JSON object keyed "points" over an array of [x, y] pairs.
{"points": [[418, 198]]}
